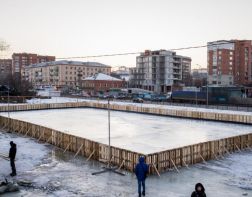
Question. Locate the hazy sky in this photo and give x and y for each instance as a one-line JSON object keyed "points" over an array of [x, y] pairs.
{"points": [[90, 27]]}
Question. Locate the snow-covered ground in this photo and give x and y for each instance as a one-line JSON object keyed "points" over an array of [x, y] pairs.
{"points": [[137, 132], [55, 174]]}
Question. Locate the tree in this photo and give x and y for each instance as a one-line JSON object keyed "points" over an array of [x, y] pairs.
{"points": [[4, 46]]}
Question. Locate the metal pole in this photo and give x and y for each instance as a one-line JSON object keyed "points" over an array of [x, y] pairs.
{"points": [[109, 132], [207, 87], [8, 100], [196, 97]]}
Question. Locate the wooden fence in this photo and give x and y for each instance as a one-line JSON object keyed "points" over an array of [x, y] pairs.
{"points": [[80, 146], [214, 116], [126, 159]]}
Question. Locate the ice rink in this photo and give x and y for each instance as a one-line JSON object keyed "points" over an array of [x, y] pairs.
{"points": [[137, 132]]}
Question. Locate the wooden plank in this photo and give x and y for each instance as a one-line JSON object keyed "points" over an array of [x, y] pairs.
{"points": [[156, 169], [78, 150], [174, 165], [90, 155], [202, 158], [185, 164], [237, 148], [121, 165]]}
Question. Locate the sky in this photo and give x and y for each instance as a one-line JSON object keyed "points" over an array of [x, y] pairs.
{"points": [[67, 28]]}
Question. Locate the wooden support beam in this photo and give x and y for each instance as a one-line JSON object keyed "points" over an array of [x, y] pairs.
{"points": [[78, 150], [121, 165], [3, 127], [90, 155], [47, 141], [27, 132], [215, 155], [110, 160], [174, 165], [226, 150], [40, 137], [21, 129], [185, 164], [156, 170], [202, 158], [237, 147], [248, 147], [67, 147]]}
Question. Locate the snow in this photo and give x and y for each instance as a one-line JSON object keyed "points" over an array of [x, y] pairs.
{"points": [[102, 77], [59, 174], [137, 132]]}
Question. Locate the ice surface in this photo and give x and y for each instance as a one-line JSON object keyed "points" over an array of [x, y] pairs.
{"points": [[137, 132], [57, 174]]}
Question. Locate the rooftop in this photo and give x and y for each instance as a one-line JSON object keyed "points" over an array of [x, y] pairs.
{"points": [[101, 77], [67, 62]]}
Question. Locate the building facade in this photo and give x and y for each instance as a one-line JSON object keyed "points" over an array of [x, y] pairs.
{"points": [[63, 73], [101, 83], [5, 69], [21, 60], [230, 62], [160, 70]]}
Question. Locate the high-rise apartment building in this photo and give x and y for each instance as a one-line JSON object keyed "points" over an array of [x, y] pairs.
{"points": [[159, 70], [230, 62]]}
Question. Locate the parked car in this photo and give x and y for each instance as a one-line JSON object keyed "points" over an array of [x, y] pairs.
{"points": [[137, 100], [159, 98]]}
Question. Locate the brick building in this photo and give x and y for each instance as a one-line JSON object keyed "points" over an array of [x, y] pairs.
{"points": [[101, 83], [63, 73], [230, 62], [5, 68], [21, 60]]}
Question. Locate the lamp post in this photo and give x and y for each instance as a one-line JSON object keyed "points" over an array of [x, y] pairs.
{"points": [[109, 168]]}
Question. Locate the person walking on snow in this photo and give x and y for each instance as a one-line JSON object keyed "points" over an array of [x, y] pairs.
{"points": [[141, 172], [12, 155], [199, 191]]}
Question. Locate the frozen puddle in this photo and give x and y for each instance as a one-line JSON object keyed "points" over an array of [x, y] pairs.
{"points": [[137, 132]]}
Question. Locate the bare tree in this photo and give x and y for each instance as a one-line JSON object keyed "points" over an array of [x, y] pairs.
{"points": [[4, 46]]}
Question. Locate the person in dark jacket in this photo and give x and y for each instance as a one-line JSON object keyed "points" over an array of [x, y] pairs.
{"points": [[141, 172], [199, 191], [12, 155]]}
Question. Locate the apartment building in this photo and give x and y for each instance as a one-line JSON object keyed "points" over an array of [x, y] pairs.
{"points": [[159, 70], [230, 62], [22, 60], [63, 73], [5, 68]]}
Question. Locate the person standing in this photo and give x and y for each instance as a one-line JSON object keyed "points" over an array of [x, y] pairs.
{"points": [[141, 172], [199, 191], [12, 155]]}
